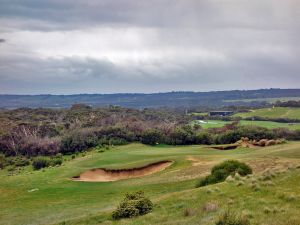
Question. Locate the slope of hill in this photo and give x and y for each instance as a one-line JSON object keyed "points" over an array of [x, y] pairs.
{"points": [[50, 196], [277, 112], [267, 124]]}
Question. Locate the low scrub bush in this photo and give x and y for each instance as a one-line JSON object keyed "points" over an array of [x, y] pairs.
{"points": [[252, 132], [151, 137], [134, 204], [112, 141], [221, 171], [40, 162], [255, 187], [78, 141], [267, 210], [204, 138], [2, 161], [56, 161], [211, 206], [18, 161], [43, 162], [33, 146], [188, 212], [230, 218], [181, 136]]}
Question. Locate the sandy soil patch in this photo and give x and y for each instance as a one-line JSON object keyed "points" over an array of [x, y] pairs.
{"points": [[106, 175], [260, 165], [196, 161]]}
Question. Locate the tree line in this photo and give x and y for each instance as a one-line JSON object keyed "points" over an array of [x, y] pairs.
{"points": [[48, 132]]}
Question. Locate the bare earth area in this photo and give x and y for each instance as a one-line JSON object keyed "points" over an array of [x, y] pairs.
{"points": [[106, 175]]}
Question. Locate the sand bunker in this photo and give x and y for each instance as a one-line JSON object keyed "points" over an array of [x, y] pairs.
{"points": [[225, 147], [105, 175]]}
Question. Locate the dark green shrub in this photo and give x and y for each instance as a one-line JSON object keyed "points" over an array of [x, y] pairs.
{"points": [[151, 137], [55, 161], [229, 218], [21, 161], [204, 138], [221, 171], [40, 162], [17, 161], [252, 132], [112, 141], [181, 136], [43, 162], [78, 141], [134, 204]]}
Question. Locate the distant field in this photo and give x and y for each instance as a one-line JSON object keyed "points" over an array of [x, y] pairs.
{"points": [[277, 112], [269, 100], [199, 113], [57, 199], [267, 124], [211, 123]]}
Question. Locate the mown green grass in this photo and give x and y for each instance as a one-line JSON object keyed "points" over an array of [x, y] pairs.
{"points": [[277, 112], [271, 125], [212, 123], [266, 124], [60, 199]]}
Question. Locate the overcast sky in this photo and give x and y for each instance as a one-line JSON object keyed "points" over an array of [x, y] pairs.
{"points": [[109, 46]]}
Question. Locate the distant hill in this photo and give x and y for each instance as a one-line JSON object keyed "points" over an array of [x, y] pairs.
{"points": [[169, 99]]}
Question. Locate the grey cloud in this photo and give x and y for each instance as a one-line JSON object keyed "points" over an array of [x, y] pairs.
{"points": [[68, 14], [204, 45], [87, 75]]}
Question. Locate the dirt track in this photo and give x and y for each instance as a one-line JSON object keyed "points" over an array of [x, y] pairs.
{"points": [[106, 175]]}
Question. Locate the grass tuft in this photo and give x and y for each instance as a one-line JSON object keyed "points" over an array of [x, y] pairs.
{"points": [[211, 206]]}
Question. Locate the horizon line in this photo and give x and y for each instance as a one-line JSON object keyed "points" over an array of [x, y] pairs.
{"points": [[146, 93]]}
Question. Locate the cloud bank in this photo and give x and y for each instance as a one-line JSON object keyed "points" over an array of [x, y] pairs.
{"points": [[108, 46]]}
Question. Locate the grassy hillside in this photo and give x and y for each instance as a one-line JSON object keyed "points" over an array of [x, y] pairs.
{"points": [[276, 201], [277, 112], [50, 196], [271, 125], [269, 100], [266, 124]]}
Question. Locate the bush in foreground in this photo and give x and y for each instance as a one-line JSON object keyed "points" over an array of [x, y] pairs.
{"points": [[229, 218], [134, 204], [221, 171]]}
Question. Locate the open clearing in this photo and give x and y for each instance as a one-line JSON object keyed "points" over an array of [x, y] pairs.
{"points": [[57, 198]]}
